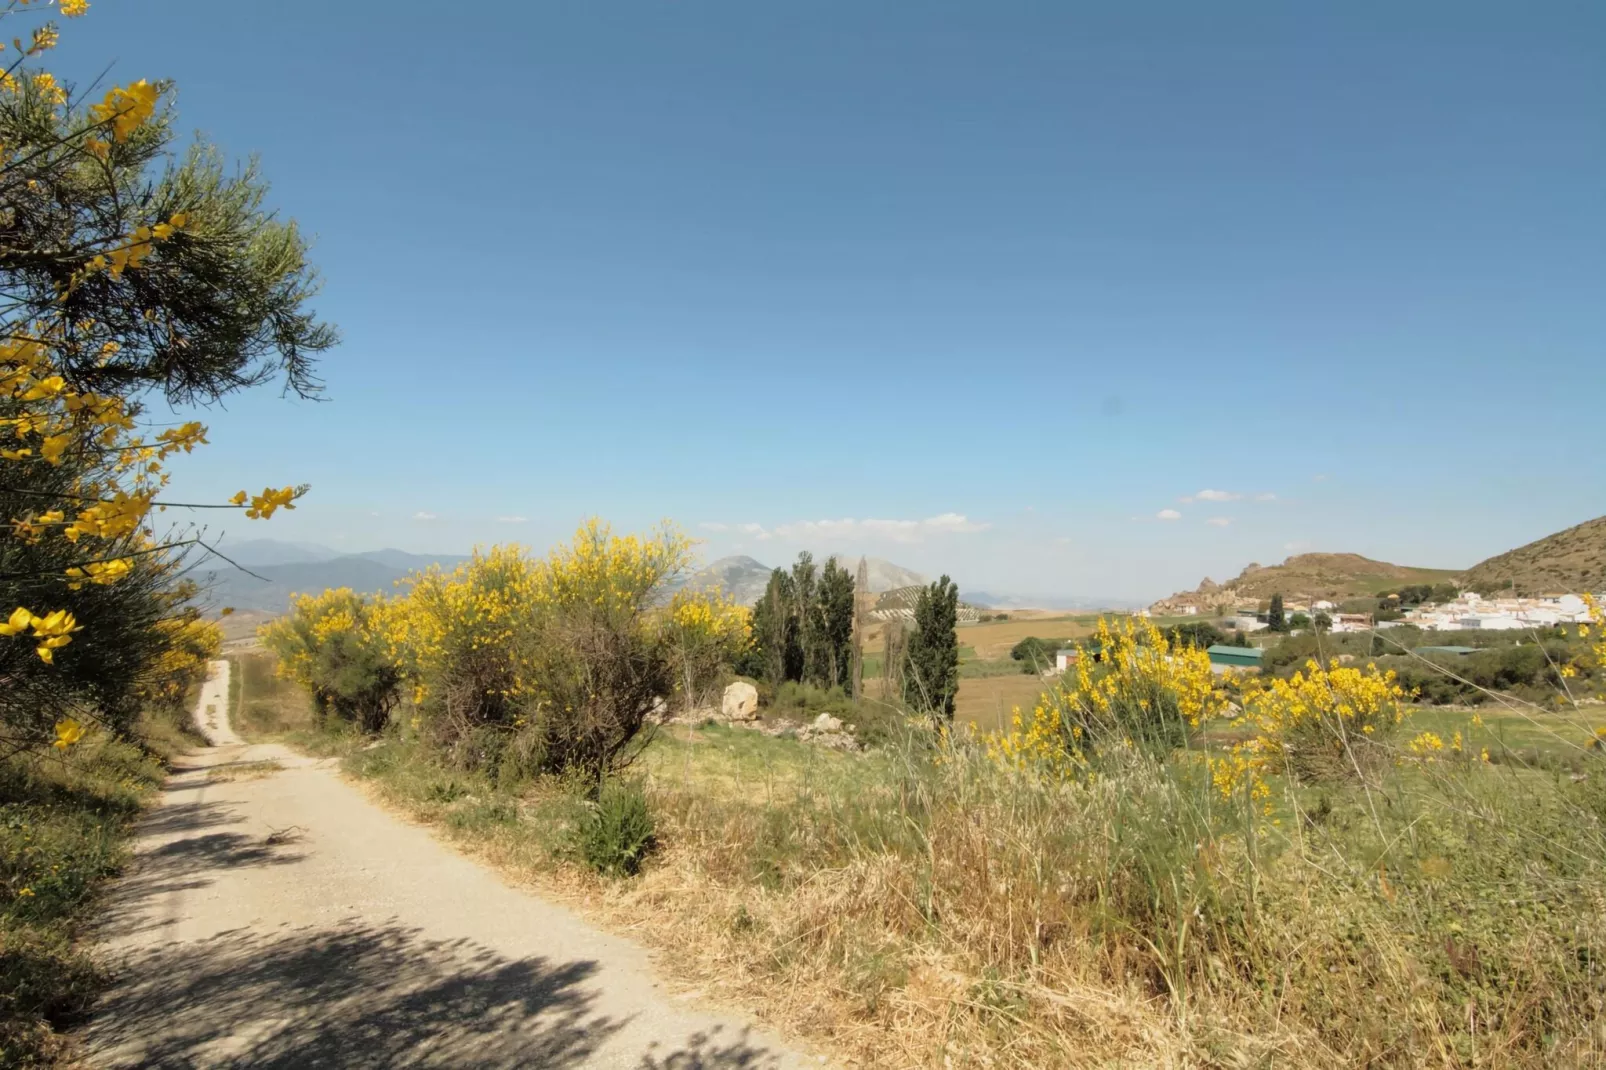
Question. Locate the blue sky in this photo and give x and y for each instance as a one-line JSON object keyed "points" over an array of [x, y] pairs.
{"points": [[999, 283]]}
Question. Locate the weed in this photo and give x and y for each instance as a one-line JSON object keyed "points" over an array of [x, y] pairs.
{"points": [[618, 831]]}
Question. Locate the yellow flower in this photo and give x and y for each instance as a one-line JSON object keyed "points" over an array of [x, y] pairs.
{"points": [[126, 108], [47, 87], [72, 8], [20, 619], [269, 501], [68, 732]]}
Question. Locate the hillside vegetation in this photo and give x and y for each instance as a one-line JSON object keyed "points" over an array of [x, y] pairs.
{"points": [[1568, 561], [1331, 576]]}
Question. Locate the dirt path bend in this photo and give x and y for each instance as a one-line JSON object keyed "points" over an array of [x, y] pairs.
{"points": [[274, 917]]}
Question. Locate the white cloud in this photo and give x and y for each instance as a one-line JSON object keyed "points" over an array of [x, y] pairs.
{"points": [[1168, 514], [1321, 478], [1219, 521], [1208, 495], [1296, 546], [1063, 540], [421, 515], [1266, 496], [714, 526], [512, 520], [755, 530]]}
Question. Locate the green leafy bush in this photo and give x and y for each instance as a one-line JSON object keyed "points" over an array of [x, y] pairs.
{"points": [[617, 833]]}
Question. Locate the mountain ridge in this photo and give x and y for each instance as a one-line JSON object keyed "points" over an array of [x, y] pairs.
{"points": [[1570, 561]]}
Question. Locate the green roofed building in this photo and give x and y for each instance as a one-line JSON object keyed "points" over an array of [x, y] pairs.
{"points": [[1223, 658]]}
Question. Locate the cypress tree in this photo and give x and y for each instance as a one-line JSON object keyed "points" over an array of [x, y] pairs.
{"points": [[834, 600], [1276, 619], [932, 678]]}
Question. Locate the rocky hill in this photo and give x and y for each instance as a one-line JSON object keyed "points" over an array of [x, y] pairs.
{"points": [[744, 578], [1334, 577], [1571, 561]]}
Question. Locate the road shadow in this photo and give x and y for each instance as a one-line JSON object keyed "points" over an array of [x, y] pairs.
{"points": [[194, 842], [362, 997], [712, 1050]]}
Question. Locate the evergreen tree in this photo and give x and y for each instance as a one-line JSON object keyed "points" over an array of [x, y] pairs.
{"points": [[833, 610], [775, 638], [806, 620], [1276, 620], [931, 679]]}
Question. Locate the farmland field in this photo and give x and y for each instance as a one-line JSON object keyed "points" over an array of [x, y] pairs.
{"points": [[987, 701]]}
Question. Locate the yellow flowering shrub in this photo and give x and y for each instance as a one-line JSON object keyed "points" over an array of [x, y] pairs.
{"points": [[551, 662], [1324, 722], [332, 644], [704, 630], [1132, 688], [187, 645], [129, 273]]}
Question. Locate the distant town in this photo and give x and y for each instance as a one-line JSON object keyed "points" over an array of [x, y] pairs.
{"points": [[1466, 611]]}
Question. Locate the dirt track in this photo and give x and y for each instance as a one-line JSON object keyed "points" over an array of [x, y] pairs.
{"points": [[280, 919]]}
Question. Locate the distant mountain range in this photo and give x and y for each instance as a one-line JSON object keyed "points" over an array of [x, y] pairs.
{"points": [[287, 568]]}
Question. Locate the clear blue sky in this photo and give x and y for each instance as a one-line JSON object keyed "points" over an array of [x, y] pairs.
{"points": [[1048, 267]]}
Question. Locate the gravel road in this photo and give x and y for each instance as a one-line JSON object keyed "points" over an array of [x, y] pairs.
{"points": [[277, 918]]}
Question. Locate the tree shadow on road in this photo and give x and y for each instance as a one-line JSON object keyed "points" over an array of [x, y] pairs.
{"points": [[197, 844], [711, 1050], [361, 997]]}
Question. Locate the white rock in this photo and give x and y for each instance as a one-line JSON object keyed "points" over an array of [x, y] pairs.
{"points": [[826, 723], [740, 702]]}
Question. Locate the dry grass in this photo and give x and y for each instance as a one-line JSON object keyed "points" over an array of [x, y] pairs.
{"points": [[262, 704], [903, 915], [901, 911], [243, 771]]}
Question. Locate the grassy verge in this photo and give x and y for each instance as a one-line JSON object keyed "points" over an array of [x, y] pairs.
{"points": [[917, 907], [65, 820]]}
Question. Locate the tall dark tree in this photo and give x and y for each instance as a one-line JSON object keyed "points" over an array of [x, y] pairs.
{"points": [[775, 632], [1276, 619], [931, 678], [833, 626], [805, 581]]}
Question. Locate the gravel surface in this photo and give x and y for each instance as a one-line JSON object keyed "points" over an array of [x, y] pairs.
{"points": [[277, 918]]}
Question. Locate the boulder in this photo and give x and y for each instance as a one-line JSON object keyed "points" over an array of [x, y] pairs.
{"points": [[740, 702], [826, 723]]}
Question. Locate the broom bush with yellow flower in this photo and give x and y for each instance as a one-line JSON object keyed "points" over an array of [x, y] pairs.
{"points": [[130, 273], [529, 664], [332, 645], [704, 631]]}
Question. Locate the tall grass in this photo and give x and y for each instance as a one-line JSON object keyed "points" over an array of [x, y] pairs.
{"points": [[969, 912], [921, 903]]}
